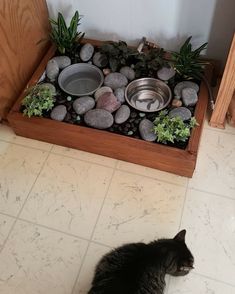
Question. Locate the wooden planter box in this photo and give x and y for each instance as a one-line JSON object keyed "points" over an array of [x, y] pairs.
{"points": [[170, 159]]}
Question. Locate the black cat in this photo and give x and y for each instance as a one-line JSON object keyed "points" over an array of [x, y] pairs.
{"points": [[140, 268]]}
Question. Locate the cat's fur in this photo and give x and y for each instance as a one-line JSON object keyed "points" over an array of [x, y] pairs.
{"points": [[140, 268]]}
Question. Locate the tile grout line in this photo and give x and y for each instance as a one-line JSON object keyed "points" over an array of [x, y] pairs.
{"points": [[27, 146], [153, 178], [185, 196], [8, 215], [61, 232], [93, 231], [213, 279], [102, 205], [212, 193], [183, 207], [17, 217]]}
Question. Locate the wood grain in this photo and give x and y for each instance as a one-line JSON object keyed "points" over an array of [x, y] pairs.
{"points": [[23, 23], [226, 91], [180, 162]]}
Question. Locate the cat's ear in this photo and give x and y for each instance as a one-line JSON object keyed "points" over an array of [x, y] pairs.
{"points": [[180, 236]]}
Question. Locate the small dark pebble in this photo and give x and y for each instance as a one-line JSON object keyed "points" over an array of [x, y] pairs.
{"points": [[133, 115], [67, 117]]}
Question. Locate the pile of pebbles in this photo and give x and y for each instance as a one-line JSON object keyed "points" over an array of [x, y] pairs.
{"points": [[106, 108]]}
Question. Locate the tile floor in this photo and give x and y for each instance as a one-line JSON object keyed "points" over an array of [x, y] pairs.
{"points": [[62, 209]]}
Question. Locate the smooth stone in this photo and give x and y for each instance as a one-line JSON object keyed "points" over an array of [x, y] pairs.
{"points": [[181, 112], [115, 80], [120, 94], [101, 91], [59, 112], [189, 97], [146, 130], [106, 71], [62, 61], [99, 119], [185, 84], [52, 70], [50, 86], [83, 104], [176, 103], [100, 59], [122, 114], [128, 72], [86, 52], [108, 102], [166, 73]]}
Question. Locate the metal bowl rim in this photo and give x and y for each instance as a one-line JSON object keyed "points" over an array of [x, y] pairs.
{"points": [[87, 65], [145, 79]]}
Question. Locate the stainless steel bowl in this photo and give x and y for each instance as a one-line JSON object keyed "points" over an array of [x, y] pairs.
{"points": [[80, 79], [148, 94]]}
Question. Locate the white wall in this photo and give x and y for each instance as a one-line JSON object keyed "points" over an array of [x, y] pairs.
{"points": [[167, 22]]}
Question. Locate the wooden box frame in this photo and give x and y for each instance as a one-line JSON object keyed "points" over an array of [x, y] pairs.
{"points": [[165, 158]]}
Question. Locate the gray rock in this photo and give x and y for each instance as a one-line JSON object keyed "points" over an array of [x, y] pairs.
{"points": [[120, 94], [98, 118], [108, 102], [86, 52], [100, 59], [182, 112], [62, 61], [185, 84], [101, 91], [166, 73], [146, 130], [122, 114], [128, 72], [50, 86], [115, 80], [189, 97], [52, 70], [83, 104], [59, 112]]}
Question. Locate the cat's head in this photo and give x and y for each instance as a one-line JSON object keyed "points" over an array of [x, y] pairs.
{"points": [[179, 258]]}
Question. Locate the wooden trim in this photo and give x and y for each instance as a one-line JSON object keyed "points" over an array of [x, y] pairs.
{"points": [[23, 24], [226, 91]]}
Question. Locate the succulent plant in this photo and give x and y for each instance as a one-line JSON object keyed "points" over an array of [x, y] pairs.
{"points": [[119, 54], [172, 129], [66, 38], [149, 62], [187, 62], [39, 99]]}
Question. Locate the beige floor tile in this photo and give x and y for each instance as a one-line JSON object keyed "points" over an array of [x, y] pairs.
{"points": [[7, 134], [153, 173], [215, 170], [37, 260], [82, 155], [19, 167], [6, 223], [139, 208], [94, 254], [210, 221], [193, 284], [68, 195]]}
